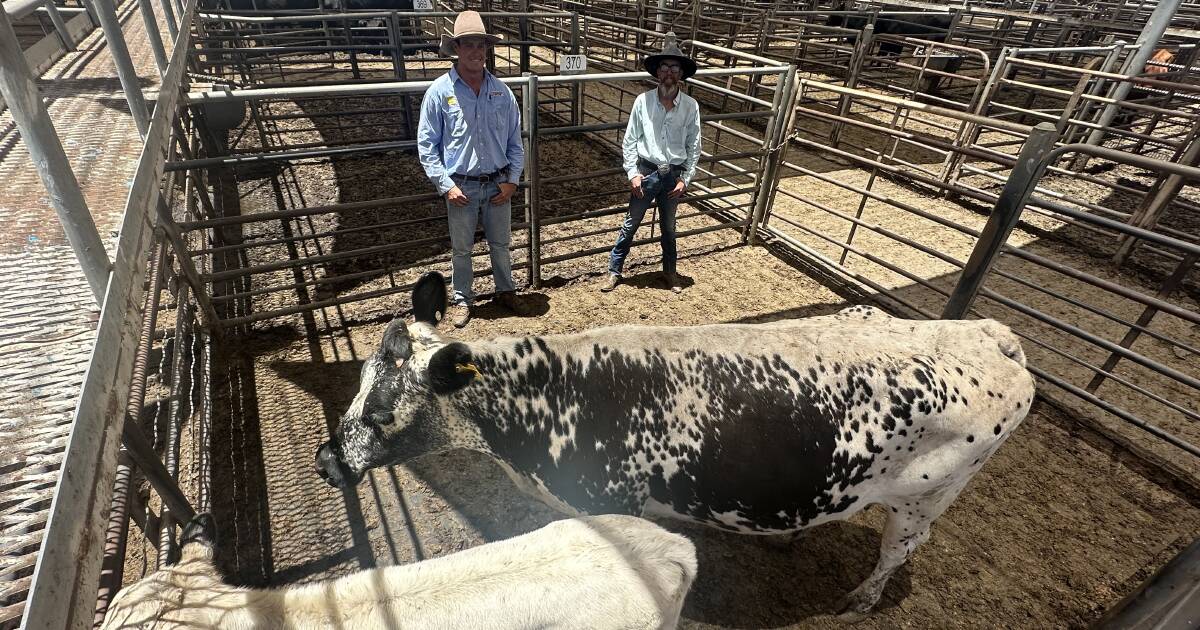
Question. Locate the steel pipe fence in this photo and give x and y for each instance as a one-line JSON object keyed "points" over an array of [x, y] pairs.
{"points": [[292, 257], [1080, 323]]}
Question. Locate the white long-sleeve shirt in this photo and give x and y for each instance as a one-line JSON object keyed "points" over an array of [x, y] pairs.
{"points": [[663, 137]]}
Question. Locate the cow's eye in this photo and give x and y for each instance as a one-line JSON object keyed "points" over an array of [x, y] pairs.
{"points": [[382, 417]]}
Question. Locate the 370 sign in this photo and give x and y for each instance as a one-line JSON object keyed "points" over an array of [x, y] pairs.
{"points": [[573, 64]]}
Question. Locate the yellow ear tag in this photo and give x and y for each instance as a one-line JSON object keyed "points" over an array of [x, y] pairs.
{"points": [[463, 368]]}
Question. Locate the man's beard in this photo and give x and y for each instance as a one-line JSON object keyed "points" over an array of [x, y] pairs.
{"points": [[670, 92]]}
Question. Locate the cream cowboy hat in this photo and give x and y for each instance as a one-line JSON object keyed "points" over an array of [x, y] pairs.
{"points": [[467, 24], [670, 50]]}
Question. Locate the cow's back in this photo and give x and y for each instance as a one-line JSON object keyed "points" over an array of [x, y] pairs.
{"points": [[756, 427]]}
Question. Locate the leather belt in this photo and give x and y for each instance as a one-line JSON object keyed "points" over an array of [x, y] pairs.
{"points": [[662, 169], [486, 177]]}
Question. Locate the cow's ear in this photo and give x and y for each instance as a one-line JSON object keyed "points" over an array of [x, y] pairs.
{"points": [[396, 345], [429, 298], [451, 369]]}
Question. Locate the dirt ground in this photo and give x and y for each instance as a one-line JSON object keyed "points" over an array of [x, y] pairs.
{"points": [[1051, 533]]}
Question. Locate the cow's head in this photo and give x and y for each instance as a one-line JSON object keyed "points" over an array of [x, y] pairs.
{"points": [[397, 414]]}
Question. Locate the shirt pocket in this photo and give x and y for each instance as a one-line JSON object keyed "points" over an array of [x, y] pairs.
{"points": [[677, 127], [456, 121], [499, 110]]}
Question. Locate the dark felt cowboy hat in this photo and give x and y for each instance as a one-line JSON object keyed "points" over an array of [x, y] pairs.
{"points": [[466, 24], [670, 50]]}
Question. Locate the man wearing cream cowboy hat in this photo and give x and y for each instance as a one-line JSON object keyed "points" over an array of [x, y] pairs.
{"points": [[469, 142], [660, 149]]}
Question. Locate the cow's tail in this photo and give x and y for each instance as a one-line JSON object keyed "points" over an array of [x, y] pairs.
{"points": [[1006, 340]]}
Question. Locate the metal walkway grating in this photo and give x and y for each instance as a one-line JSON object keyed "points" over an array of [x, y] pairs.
{"points": [[47, 312]]}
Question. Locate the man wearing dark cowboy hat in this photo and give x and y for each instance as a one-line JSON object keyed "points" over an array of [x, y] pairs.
{"points": [[661, 148], [469, 141]]}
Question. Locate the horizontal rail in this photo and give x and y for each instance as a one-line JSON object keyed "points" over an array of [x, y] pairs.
{"points": [[419, 87]]}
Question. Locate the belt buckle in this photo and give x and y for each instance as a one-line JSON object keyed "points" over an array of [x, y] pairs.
{"points": [[663, 169]]}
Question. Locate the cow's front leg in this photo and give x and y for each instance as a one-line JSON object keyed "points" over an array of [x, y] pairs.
{"points": [[908, 523], [901, 536]]}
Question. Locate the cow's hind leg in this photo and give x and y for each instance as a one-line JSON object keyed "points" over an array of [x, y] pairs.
{"points": [[908, 523]]}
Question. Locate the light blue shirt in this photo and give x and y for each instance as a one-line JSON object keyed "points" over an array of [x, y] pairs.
{"points": [[464, 134], [663, 137]]}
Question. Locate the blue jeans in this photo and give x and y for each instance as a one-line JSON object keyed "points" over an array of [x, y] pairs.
{"points": [[654, 187], [497, 229]]}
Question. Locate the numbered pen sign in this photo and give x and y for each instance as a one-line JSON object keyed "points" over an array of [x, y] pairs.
{"points": [[422, 5], [573, 64]]}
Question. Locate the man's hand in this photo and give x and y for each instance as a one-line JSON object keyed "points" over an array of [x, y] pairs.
{"points": [[506, 192], [635, 185], [455, 196], [677, 192]]}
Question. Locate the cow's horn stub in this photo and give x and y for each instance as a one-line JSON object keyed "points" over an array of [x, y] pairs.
{"points": [[429, 298]]}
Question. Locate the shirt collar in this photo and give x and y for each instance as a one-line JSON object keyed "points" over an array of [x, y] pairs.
{"points": [[678, 95], [487, 76]]}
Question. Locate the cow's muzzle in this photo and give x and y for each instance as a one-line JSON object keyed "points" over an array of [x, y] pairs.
{"points": [[332, 469]]}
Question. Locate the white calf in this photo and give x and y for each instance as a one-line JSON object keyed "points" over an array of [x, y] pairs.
{"points": [[593, 572]]}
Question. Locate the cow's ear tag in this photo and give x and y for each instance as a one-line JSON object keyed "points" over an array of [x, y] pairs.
{"points": [[467, 368]]}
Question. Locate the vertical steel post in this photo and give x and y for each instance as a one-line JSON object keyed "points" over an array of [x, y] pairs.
{"points": [[577, 87], [533, 182], [523, 33], [770, 156], [37, 131], [1025, 174], [172, 22], [1160, 19], [639, 38], [789, 102], [115, 39], [857, 58], [156, 42]]}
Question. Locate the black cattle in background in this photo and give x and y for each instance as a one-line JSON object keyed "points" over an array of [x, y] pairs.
{"points": [[932, 27]]}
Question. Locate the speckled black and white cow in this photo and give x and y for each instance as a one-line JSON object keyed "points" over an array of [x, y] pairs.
{"points": [[754, 428]]}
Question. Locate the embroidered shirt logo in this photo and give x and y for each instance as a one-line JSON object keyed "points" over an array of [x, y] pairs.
{"points": [[452, 101]]}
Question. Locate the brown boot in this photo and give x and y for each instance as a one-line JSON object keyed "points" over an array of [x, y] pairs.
{"points": [[459, 314], [511, 301], [611, 283]]}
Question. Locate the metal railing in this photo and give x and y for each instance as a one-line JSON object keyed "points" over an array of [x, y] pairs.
{"points": [[556, 226], [63, 588]]}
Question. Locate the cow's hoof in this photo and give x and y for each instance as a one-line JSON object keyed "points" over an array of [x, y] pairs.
{"points": [[853, 609], [852, 617]]}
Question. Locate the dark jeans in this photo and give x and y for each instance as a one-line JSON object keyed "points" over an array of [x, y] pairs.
{"points": [[655, 187]]}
